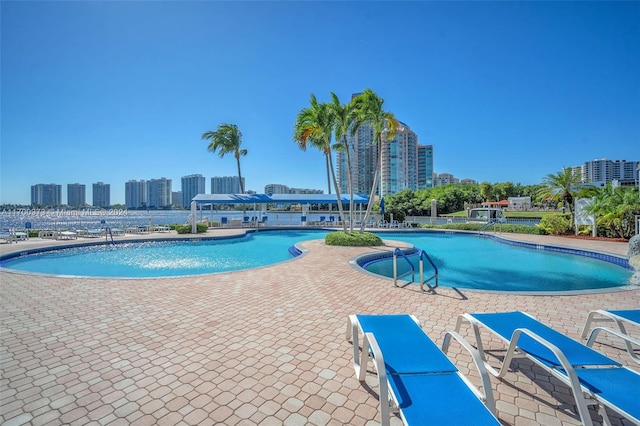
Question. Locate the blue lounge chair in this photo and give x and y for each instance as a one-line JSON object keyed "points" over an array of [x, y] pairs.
{"points": [[415, 377], [591, 375], [619, 317]]}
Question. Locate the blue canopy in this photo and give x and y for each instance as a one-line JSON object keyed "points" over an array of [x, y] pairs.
{"points": [[277, 198]]}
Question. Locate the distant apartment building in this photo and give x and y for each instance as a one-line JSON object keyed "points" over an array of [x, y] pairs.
{"points": [[226, 185], [404, 163], [101, 195], [76, 195], [176, 198], [444, 179], [305, 191], [425, 166], [602, 171], [135, 194], [276, 188], [43, 194], [192, 185], [468, 181], [159, 193]]}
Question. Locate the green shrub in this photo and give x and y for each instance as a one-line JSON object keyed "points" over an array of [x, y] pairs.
{"points": [[500, 227], [352, 239], [554, 225], [186, 228]]}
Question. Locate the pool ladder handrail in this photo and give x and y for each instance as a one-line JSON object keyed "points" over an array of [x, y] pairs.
{"points": [[421, 255], [486, 226], [108, 233]]}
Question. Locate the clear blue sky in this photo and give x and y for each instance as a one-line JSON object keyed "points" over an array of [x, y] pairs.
{"points": [[504, 91]]}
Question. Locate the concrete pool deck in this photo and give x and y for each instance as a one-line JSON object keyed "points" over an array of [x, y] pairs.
{"points": [[264, 346]]}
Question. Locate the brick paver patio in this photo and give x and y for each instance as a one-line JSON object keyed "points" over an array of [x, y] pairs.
{"points": [[264, 346]]}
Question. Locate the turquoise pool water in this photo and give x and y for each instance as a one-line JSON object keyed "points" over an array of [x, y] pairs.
{"points": [[166, 258], [464, 261], [468, 261]]}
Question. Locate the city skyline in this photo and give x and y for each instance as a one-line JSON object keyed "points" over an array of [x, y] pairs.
{"points": [[597, 171], [503, 91]]}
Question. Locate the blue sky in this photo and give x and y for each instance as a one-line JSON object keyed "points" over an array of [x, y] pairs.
{"points": [[504, 91]]}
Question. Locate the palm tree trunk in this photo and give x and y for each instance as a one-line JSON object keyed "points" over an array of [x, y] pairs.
{"points": [[244, 207], [328, 161], [350, 183], [338, 196]]}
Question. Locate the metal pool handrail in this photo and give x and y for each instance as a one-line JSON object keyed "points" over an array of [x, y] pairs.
{"points": [[421, 255]]}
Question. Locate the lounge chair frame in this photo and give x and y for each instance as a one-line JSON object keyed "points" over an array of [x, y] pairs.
{"points": [[563, 370], [389, 402], [619, 318]]}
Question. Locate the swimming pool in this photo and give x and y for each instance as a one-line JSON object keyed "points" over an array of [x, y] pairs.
{"points": [[152, 259], [471, 262], [464, 260]]}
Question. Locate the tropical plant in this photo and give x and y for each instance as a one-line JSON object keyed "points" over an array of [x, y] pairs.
{"points": [[555, 224], [344, 119], [369, 109], [315, 125], [227, 140], [615, 209], [563, 186]]}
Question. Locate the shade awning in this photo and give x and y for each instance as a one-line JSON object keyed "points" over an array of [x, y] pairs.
{"points": [[277, 198]]}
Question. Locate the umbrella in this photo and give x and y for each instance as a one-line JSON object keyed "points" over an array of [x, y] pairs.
{"points": [[382, 206]]}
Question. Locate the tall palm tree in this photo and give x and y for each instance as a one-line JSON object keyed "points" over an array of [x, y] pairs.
{"points": [[344, 119], [315, 125], [369, 109], [563, 185], [227, 140]]}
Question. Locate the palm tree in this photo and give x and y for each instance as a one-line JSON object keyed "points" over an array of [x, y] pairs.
{"points": [[369, 109], [615, 208], [564, 185], [315, 125], [227, 140], [344, 119]]}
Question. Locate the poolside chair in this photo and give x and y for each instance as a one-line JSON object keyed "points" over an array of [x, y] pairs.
{"points": [[415, 377], [594, 378], [19, 234], [619, 317], [246, 222], [8, 237]]}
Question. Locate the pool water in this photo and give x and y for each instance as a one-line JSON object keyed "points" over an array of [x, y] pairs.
{"points": [[464, 261], [166, 258], [467, 261]]}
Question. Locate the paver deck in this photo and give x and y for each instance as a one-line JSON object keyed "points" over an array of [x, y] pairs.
{"points": [[263, 346]]}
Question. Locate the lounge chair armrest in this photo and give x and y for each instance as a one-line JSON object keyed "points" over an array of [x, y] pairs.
{"points": [[628, 340], [594, 333], [487, 393], [369, 341], [570, 373]]}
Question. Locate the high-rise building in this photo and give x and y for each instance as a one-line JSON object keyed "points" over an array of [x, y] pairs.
{"points": [[425, 166], [76, 195], [601, 171], [101, 195], [276, 188], [44, 194], [404, 164], [399, 161], [226, 185], [444, 179], [135, 194], [192, 185], [159, 193]]}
